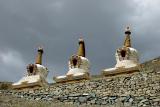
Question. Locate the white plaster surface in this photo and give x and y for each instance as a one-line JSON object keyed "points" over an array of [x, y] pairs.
{"points": [[129, 62], [38, 79], [76, 72]]}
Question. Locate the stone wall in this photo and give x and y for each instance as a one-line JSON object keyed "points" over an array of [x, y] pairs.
{"points": [[128, 90]]}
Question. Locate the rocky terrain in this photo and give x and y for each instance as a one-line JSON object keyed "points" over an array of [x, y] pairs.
{"points": [[7, 100], [5, 85], [139, 89]]}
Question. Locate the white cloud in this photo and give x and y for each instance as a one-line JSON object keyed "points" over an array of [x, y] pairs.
{"points": [[145, 16], [12, 65], [12, 58], [146, 10]]}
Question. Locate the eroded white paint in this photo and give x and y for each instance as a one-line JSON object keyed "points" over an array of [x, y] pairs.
{"points": [[130, 61], [81, 72], [30, 80]]}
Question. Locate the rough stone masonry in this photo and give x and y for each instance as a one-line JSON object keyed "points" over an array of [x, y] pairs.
{"points": [[139, 89]]}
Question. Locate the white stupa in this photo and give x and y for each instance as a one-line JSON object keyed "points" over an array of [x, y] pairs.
{"points": [[126, 57], [36, 74], [79, 66]]}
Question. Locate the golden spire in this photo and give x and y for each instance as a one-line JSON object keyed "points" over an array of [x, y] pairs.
{"points": [[39, 56], [81, 49], [127, 42]]}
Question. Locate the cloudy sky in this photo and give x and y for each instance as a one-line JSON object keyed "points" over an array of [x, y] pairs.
{"points": [[57, 24]]}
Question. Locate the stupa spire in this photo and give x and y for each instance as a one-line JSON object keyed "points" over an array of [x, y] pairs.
{"points": [[127, 41], [81, 49], [39, 56]]}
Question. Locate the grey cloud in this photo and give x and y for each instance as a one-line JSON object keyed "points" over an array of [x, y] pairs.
{"points": [[57, 25]]}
